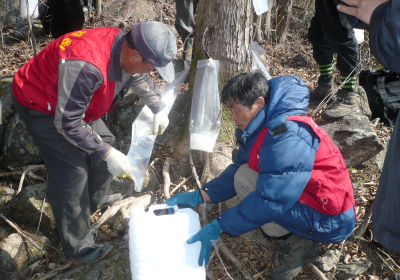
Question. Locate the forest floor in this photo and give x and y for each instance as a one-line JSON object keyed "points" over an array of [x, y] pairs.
{"points": [[293, 57]]}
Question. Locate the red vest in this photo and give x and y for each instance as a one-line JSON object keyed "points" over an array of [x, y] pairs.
{"points": [[35, 84], [329, 189]]}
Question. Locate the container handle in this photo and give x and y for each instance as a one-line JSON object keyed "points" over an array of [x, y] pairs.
{"points": [[162, 206]]}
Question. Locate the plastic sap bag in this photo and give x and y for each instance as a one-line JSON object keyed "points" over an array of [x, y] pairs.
{"points": [[359, 33], [142, 132], [256, 63], [261, 6], [33, 9], [205, 115]]}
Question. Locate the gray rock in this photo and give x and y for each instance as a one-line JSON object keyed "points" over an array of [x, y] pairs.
{"points": [[6, 106], [25, 209], [136, 9], [16, 254], [300, 61], [125, 112], [22, 28], [351, 270], [363, 101], [380, 157], [327, 261], [5, 195], [355, 138], [19, 147], [116, 265], [10, 18]]}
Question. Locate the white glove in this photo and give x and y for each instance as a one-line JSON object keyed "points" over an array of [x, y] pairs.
{"points": [[160, 122], [118, 164]]}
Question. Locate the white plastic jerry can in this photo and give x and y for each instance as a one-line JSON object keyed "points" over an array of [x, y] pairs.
{"points": [[158, 247]]}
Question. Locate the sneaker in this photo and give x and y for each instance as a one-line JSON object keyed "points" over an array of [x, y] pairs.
{"points": [[294, 252], [345, 104], [93, 254], [321, 91]]}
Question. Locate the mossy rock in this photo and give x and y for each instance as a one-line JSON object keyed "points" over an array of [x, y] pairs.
{"points": [[26, 209], [19, 147]]}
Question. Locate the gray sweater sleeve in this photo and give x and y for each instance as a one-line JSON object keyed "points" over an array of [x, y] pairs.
{"points": [[148, 92], [77, 82], [385, 34]]}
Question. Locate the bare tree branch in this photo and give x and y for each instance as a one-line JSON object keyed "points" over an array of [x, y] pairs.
{"points": [[167, 179], [26, 170], [142, 200]]}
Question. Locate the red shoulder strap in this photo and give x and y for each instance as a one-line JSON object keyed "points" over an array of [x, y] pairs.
{"points": [[254, 157]]}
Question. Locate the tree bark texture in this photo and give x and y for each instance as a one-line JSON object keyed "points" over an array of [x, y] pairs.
{"points": [[228, 39], [229, 35], [283, 16]]}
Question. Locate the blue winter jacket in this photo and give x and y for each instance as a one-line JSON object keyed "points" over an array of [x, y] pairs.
{"points": [[286, 162], [384, 30]]}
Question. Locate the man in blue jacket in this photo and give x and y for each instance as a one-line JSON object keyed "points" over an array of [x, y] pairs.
{"points": [[291, 179]]}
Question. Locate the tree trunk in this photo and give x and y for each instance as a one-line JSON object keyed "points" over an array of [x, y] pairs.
{"points": [[266, 22], [228, 39], [258, 30], [283, 16]]}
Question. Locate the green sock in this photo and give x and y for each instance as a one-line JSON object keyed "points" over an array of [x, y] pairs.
{"points": [[350, 84], [325, 72]]}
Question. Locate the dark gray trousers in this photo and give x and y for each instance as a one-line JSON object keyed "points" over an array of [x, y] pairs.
{"points": [[386, 212], [75, 184]]}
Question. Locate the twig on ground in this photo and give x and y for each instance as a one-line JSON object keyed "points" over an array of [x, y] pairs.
{"points": [[27, 236], [194, 171], [316, 271], [151, 165], [181, 184], [11, 173], [222, 262], [384, 261], [259, 274], [255, 269], [26, 170], [33, 176], [54, 272], [143, 200], [167, 179], [233, 260], [41, 214], [389, 257], [363, 226]]}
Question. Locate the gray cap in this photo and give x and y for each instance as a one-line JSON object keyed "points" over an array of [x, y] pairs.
{"points": [[156, 43]]}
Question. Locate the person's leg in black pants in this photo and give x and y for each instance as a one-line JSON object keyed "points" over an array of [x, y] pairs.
{"points": [[75, 184], [185, 25], [66, 16], [331, 33]]}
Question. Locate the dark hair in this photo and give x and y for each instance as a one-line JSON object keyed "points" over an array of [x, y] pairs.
{"points": [[132, 45], [245, 88]]}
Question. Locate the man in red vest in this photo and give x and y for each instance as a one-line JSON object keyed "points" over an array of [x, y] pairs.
{"points": [[61, 95], [291, 179]]}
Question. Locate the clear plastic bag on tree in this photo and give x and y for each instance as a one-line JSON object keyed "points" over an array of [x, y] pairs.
{"points": [[33, 9], [261, 6], [256, 63], [205, 115], [142, 132]]}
